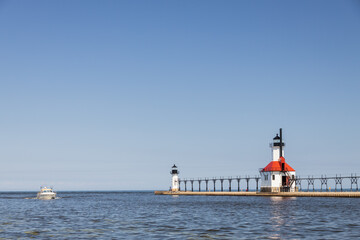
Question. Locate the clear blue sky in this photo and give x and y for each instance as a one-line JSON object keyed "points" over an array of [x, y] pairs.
{"points": [[109, 94]]}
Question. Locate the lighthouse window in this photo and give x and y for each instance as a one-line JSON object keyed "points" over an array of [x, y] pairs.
{"points": [[273, 177]]}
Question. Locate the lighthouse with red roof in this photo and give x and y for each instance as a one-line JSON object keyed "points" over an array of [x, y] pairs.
{"points": [[277, 176]]}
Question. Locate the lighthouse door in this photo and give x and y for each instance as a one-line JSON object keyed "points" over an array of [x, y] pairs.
{"points": [[284, 181]]}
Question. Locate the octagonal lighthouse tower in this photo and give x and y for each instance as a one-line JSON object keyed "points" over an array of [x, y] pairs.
{"points": [[175, 179], [277, 176]]}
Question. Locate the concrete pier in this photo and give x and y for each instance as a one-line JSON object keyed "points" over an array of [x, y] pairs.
{"points": [[265, 194]]}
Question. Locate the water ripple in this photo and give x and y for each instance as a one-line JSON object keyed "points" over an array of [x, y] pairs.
{"points": [[142, 215]]}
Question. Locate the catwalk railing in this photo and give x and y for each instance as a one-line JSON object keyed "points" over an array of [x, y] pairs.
{"points": [[323, 181]]}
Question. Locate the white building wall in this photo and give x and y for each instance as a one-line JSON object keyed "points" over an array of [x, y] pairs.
{"points": [[276, 153], [273, 184], [273, 181], [265, 179], [276, 180], [175, 183]]}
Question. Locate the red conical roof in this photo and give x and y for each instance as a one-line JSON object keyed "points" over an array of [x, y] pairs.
{"points": [[275, 166]]}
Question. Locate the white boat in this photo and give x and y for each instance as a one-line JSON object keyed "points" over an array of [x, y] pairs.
{"points": [[46, 193]]}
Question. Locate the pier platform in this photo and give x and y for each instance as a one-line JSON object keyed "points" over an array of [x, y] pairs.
{"points": [[265, 194]]}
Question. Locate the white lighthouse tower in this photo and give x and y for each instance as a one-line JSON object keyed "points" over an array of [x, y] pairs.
{"points": [[174, 179], [277, 176]]}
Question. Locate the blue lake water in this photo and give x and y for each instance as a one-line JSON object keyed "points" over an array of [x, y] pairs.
{"points": [[143, 215]]}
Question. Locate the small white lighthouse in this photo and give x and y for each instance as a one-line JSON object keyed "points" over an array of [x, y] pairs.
{"points": [[277, 176], [174, 179]]}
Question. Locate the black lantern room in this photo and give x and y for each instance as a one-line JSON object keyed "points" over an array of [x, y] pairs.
{"points": [[278, 141], [174, 170]]}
